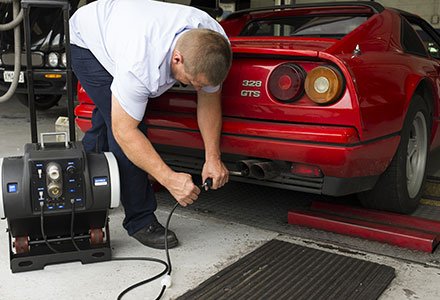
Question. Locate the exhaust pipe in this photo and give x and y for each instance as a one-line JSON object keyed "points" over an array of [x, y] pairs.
{"points": [[264, 170], [244, 166]]}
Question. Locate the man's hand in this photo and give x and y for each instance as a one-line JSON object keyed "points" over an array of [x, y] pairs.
{"points": [[216, 170], [140, 151], [182, 188]]}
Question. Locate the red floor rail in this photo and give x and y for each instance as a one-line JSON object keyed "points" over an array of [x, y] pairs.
{"points": [[400, 230]]}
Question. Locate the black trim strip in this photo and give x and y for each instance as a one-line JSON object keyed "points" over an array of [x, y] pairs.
{"points": [[375, 7], [280, 139]]}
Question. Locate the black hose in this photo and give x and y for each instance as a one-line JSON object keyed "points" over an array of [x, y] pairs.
{"points": [[167, 270], [72, 218], [151, 259], [42, 228], [167, 264]]}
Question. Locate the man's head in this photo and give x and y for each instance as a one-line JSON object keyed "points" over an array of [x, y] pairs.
{"points": [[201, 57]]}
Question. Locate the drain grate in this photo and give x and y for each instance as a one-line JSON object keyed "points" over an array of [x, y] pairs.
{"points": [[281, 270]]}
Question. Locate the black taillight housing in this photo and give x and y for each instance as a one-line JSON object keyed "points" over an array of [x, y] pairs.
{"points": [[286, 82]]}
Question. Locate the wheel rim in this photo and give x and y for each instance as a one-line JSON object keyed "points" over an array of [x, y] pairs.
{"points": [[416, 156]]}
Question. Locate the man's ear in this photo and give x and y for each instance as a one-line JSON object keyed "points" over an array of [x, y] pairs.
{"points": [[177, 57]]}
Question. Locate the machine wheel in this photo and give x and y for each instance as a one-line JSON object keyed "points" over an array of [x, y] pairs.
{"points": [[399, 189], [42, 102], [96, 236], [21, 244]]}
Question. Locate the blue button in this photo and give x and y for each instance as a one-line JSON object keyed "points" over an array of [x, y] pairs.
{"points": [[72, 190], [72, 180], [12, 187]]}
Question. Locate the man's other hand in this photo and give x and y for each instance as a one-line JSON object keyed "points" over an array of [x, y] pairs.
{"points": [[182, 188]]}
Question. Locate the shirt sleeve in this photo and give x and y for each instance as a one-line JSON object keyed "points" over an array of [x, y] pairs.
{"points": [[131, 93]]}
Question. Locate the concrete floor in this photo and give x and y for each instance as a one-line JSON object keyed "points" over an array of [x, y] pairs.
{"points": [[208, 244]]}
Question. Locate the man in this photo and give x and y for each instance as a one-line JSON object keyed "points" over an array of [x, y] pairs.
{"points": [[125, 52]]}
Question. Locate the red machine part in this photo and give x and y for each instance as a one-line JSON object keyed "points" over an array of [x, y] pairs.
{"points": [[400, 230], [96, 236]]}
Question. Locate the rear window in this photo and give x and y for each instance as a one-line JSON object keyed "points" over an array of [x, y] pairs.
{"points": [[309, 26]]}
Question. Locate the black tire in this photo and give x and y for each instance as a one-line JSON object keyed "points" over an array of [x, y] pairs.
{"points": [[399, 188], [42, 102]]}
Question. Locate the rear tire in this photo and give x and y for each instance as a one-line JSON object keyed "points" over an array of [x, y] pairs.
{"points": [[399, 188], [42, 102]]}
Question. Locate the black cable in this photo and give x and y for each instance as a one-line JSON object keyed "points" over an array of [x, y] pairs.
{"points": [[167, 263], [132, 287], [42, 228], [166, 238], [72, 218]]}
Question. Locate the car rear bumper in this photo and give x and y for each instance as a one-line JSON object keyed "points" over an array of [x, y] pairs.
{"points": [[191, 161], [336, 150], [347, 164], [42, 84]]}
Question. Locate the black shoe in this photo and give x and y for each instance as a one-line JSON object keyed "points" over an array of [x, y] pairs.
{"points": [[153, 236]]}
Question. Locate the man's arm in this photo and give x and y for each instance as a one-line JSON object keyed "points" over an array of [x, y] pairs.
{"points": [[140, 151], [209, 118]]}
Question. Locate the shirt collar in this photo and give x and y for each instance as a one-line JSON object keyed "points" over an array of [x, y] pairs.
{"points": [[170, 78]]}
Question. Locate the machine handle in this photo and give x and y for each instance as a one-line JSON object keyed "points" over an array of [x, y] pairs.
{"points": [[66, 143], [65, 5]]}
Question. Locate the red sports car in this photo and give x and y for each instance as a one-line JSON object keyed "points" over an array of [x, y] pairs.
{"points": [[333, 98]]}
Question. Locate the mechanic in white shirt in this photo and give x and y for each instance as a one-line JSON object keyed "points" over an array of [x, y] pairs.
{"points": [[125, 52]]}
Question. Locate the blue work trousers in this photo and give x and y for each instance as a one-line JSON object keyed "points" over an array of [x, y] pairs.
{"points": [[137, 195]]}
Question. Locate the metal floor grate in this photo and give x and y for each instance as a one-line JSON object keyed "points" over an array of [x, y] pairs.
{"points": [[281, 270]]}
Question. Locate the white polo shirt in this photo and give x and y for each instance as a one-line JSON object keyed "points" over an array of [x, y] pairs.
{"points": [[133, 40]]}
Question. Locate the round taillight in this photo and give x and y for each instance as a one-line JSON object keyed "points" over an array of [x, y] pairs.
{"points": [[286, 83], [324, 84]]}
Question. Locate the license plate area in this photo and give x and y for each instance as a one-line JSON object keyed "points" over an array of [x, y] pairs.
{"points": [[8, 76]]}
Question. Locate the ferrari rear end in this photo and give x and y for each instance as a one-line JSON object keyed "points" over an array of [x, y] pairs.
{"points": [[290, 107]]}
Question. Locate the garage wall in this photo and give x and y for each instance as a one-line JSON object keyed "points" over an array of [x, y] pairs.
{"points": [[427, 9]]}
